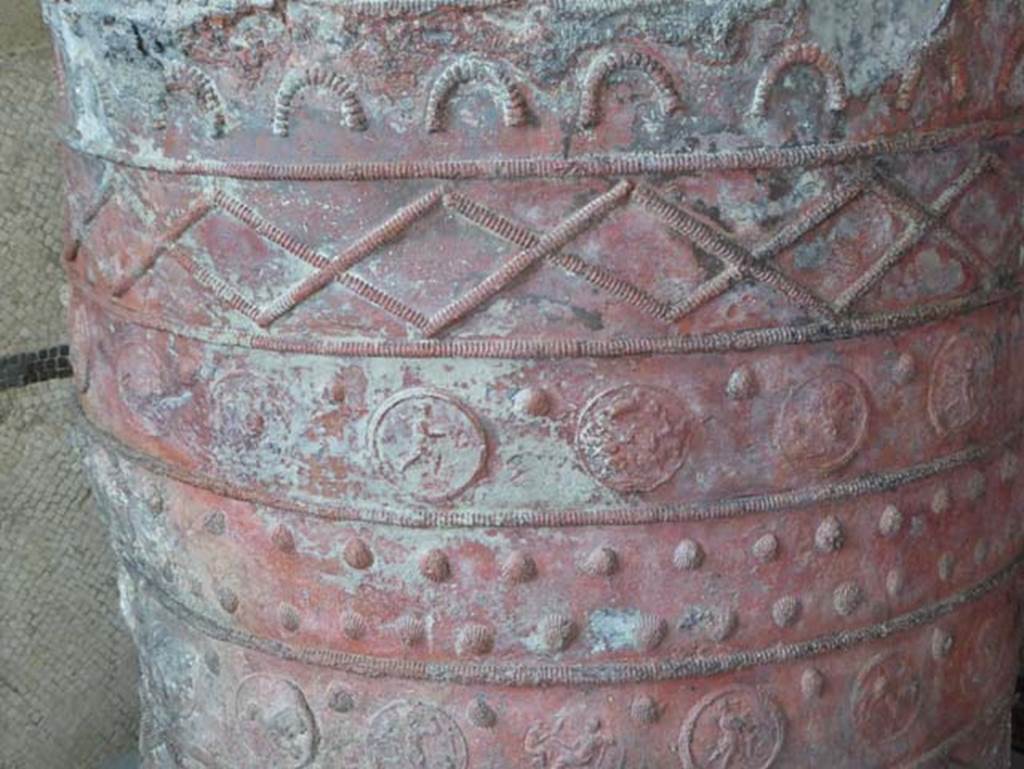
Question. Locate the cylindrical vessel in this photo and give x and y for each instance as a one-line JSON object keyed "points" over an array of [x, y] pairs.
{"points": [[490, 384]]}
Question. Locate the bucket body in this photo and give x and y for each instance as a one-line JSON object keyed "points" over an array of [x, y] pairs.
{"points": [[492, 384]]}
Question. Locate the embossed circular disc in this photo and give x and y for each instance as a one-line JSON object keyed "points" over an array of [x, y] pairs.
{"points": [[961, 381], [275, 723], [428, 444], [991, 655], [886, 698], [565, 395], [633, 438], [823, 421], [413, 735], [738, 727]]}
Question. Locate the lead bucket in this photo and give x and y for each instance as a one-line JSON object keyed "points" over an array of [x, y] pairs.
{"points": [[504, 384]]}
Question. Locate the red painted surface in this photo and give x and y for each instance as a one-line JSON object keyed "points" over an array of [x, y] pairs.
{"points": [[485, 385]]}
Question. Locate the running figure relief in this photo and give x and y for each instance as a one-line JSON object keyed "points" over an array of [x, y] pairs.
{"points": [[428, 443]]}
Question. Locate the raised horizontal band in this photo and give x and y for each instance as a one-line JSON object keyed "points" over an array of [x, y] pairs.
{"points": [[993, 710], [753, 158], [734, 507], [684, 344], [526, 675]]}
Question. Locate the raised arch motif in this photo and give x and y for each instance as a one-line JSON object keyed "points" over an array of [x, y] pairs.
{"points": [[192, 80], [610, 62], [807, 54], [298, 80], [501, 87]]}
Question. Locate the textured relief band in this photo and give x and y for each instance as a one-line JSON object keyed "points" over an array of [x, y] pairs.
{"points": [[515, 82], [739, 263], [683, 344], [750, 504], [992, 711], [425, 6], [565, 231], [754, 158], [423, 721], [432, 722], [526, 675], [328, 269], [346, 542]]}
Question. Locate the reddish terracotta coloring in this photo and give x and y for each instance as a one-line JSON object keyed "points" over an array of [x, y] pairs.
{"points": [[554, 384]]}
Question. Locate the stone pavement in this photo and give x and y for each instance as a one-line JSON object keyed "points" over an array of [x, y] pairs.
{"points": [[67, 676]]}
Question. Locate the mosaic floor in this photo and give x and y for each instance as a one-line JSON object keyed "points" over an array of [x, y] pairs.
{"points": [[67, 682]]}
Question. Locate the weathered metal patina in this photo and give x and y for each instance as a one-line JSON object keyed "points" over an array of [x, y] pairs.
{"points": [[617, 384]]}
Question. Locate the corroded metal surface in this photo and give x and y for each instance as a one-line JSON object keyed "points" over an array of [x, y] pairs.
{"points": [[486, 383]]}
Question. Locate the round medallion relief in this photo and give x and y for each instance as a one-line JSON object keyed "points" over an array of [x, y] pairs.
{"points": [[414, 735], [991, 654], [633, 438], [739, 727], [275, 723], [428, 444], [886, 699], [961, 381], [824, 421]]}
